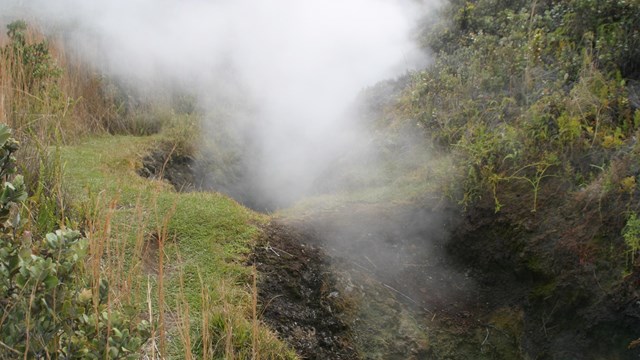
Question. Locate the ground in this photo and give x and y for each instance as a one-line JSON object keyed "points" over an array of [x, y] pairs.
{"points": [[299, 296], [426, 279]]}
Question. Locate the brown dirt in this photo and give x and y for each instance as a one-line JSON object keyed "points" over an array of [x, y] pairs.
{"points": [[178, 170], [149, 254], [368, 282], [297, 295], [401, 247]]}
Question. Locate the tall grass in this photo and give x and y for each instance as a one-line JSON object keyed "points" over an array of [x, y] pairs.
{"points": [[48, 100], [51, 98], [51, 103], [47, 94], [146, 275]]}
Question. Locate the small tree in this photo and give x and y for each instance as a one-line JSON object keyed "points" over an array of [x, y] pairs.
{"points": [[38, 65]]}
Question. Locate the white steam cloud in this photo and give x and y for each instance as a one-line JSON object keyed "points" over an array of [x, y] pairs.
{"points": [[299, 63]]}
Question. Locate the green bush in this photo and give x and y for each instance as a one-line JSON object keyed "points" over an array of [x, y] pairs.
{"points": [[37, 64], [47, 310], [519, 87]]}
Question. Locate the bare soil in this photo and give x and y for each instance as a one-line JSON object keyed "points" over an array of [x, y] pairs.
{"points": [[178, 170], [379, 273], [297, 293]]}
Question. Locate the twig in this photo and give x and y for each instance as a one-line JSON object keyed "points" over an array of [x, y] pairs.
{"points": [[166, 161], [361, 266], [269, 248], [283, 251], [153, 338], [10, 348], [368, 271], [598, 281], [486, 337], [405, 296], [264, 308], [369, 260]]}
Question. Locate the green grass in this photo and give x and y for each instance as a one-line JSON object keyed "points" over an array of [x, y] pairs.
{"points": [[431, 179], [207, 238]]}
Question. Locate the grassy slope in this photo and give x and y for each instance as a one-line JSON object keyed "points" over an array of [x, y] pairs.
{"points": [[208, 236]]}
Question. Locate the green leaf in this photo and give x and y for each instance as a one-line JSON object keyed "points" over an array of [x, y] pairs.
{"points": [[52, 240], [113, 351], [51, 282], [5, 134], [25, 254], [21, 279]]}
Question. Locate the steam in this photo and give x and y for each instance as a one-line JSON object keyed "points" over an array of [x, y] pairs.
{"points": [[297, 64]]}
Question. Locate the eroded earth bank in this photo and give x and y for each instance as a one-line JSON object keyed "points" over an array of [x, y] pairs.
{"points": [[428, 280]]}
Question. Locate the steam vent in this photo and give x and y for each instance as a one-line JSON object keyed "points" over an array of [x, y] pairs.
{"points": [[356, 179]]}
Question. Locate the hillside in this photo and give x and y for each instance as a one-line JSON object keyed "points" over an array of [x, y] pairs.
{"points": [[539, 103], [491, 211]]}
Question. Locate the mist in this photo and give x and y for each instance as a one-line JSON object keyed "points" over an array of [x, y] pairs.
{"points": [[296, 66]]}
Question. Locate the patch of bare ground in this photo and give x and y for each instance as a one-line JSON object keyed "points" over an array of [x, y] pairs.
{"points": [[297, 295], [372, 282], [149, 254]]}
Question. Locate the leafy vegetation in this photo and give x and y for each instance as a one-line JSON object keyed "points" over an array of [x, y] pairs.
{"points": [[171, 284], [524, 99], [48, 307], [631, 234], [524, 90]]}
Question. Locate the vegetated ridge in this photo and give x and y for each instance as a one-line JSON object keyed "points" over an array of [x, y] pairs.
{"points": [[538, 100]]}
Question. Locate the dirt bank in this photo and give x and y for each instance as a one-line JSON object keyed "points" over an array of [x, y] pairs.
{"points": [[425, 280], [416, 282], [399, 294], [563, 267], [298, 295]]}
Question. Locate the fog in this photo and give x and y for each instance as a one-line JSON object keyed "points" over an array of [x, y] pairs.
{"points": [[296, 66], [277, 82]]}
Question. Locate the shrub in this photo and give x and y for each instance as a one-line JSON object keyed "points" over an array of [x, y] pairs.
{"points": [[519, 87], [46, 309]]}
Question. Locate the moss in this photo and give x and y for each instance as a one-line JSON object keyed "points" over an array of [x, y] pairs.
{"points": [[537, 264], [544, 290], [505, 330]]}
